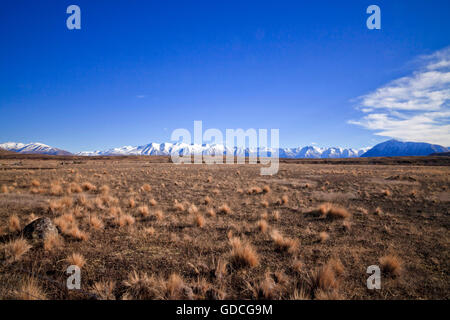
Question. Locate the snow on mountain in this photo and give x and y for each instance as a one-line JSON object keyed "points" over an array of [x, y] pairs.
{"points": [[32, 148], [215, 149], [392, 148]]}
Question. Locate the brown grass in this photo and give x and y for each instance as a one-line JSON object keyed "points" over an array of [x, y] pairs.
{"points": [[143, 211], [4, 189], [262, 225], [96, 222], [153, 202], [391, 264], [15, 249], [224, 209], [332, 211], [146, 187], [52, 242], [87, 186], [76, 259], [323, 236], [30, 290], [14, 223], [284, 244], [243, 254], [199, 221], [104, 290]]}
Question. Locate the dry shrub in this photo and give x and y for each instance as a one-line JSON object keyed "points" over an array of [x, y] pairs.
{"points": [[224, 209], [199, 221], [143, 211], [146, 187], [15, 249], [53, 241], [243, 254], [30, 290], [96, 223], [323, 236], [4, 189], [332, 211], [87, 186], [284, 243], [391, 264], [14, 223], [262, 225], [104, 290], [153, 202], [76, 259]]}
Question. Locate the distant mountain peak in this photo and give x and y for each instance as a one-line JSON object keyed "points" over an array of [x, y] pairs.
{"points": [[393, 148]]}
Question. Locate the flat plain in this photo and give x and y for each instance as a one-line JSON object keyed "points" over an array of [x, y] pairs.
{"points": [[145, 228]]}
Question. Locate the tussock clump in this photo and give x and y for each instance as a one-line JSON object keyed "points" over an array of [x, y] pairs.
{"points": [[159, 215], [284, 199], [104, 290], [143, 211], [153, 202], [254, 190], [146, 188], [243, 254], [207, 200], [224, 209], [77, 234], [210, 212], [131, 203], [266, 189], [104, 189], [30, 290], [391, 265], [53, 241], [76, 259], [193, 209], [199, 221], [56, 189], [87, 186], [149, 231], [331, 211], [327, 295], [96, 223], [124, 220], [177, 206], [15, 249], [142, 287], [324, 279], [378, 211], [4, 189], [265, 203], [265, 289], [35, 183], [74, 188], [276, 215], [14, 223], [262, 225], [284, 244], [386, 193], [323, 236], [300, 294]]}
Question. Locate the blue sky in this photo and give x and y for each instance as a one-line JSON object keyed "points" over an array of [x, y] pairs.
{"points": [[139, 69]]}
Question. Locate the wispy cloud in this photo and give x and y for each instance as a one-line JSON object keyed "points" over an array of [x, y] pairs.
{"points": [[141, 96], [415, 107]]}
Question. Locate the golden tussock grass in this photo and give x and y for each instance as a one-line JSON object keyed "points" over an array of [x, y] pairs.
{"points": [[284, 244], [56, 189], [74, 188], [159, 215], [378, 211], [146, 188], [328, 210], [178, 207], [266, 189], [131, 203], [199, 221], [210, 212], [143, 211], [323, 236], [4, 189], [152, 202], [14, 223], [124, 220], [140, 286], [264, 203], [207, 200], [15, 249], [284, 199], [254, 190], [327, 295], [264, 289], [30, 290], [262, 225], [149, 231], [243, 254], [96, 223], [276, 215], [298, 266], [104, 189], [35, 183], [386, 193], [52, 242], [76, 259], [77, 234], [104, 290], [224, 209], [87, 186], [391, 264], [324, 279], [192, 209], [300, 294]]}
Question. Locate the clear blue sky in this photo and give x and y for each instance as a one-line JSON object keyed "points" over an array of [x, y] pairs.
{"points": [[139, 69]]}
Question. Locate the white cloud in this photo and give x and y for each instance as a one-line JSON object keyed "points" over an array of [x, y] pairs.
{"points": [[415, 107]]}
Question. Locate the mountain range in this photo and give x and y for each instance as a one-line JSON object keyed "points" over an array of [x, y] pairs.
{"points": [[385, 149]]}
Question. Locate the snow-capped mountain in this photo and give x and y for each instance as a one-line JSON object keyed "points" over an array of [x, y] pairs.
{"points": [[32, 148], [392, 148], [215, 149]]}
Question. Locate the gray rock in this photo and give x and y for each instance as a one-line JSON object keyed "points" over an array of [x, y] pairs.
{"points": [[39, 229]]}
